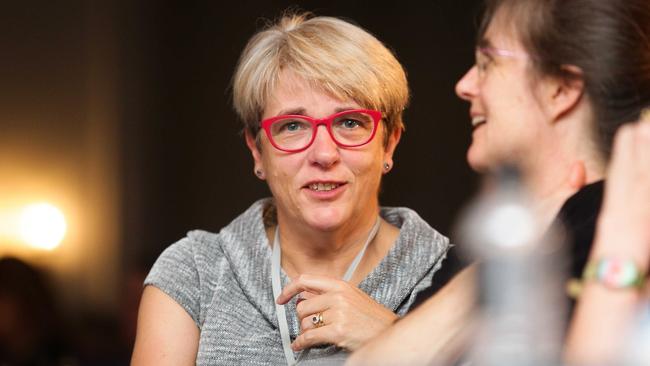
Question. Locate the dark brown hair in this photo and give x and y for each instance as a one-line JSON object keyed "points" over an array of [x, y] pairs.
{"points": [[609, 40]]}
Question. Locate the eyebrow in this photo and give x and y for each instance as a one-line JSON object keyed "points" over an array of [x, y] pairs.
{"points": [[303, 112], [298, 111], [343, 109]]}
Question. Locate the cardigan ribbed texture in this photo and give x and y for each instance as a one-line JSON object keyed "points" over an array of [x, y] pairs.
{"points": [[223, 281]]}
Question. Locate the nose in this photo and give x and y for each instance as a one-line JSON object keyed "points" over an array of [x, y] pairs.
{"points": [[467, 86], [324, 151]]}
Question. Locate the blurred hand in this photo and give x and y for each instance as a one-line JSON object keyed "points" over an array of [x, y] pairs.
{"points": [[350, 316], [626, 206], [599, 328]]}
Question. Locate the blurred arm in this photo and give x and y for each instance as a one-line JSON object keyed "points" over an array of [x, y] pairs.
{"points": [[434, 332], [166, 333], [603, 316]]}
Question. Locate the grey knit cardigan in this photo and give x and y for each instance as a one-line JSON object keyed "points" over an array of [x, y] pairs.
{"points": [[223, 281]]}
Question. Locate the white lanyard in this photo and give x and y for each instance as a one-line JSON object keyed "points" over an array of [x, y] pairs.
{"points": [[277, 287]]}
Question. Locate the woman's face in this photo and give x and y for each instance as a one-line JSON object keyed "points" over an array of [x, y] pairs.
{"points": [[325, 187], [505, 113]]}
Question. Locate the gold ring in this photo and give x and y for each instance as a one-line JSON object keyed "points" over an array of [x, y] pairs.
{"points": [[317, 320]]}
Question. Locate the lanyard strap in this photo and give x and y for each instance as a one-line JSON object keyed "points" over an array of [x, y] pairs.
{"points": [[277, 286]]}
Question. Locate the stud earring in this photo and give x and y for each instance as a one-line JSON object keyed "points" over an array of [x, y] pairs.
{"points": [[259, 173], [386, 166]]}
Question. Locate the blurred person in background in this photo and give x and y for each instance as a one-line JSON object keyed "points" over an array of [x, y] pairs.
{"points": [[321, 101], [31, 329], [552, 83]]}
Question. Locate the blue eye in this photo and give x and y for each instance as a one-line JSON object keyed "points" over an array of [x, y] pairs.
{"points": [[292, 126], [350, 123]]}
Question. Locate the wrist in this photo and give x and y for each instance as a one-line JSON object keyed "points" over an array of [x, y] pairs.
{"points": [[625, 242], [614, 273]]}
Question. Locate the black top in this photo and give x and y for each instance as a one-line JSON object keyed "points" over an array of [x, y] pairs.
{"points": [[578, 216]]}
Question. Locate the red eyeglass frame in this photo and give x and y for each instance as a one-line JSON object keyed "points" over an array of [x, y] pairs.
{"points": [[327, 122]]}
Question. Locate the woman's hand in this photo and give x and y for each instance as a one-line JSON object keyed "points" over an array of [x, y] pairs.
{"points": [[603, 317], [350, 317], [625, 218]]}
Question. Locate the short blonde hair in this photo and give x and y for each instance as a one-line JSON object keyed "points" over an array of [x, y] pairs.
{"points": [[333, 55]]}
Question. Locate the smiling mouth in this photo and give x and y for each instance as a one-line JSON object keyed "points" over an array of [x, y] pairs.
{"points": [[323, 187], [477, 121]]}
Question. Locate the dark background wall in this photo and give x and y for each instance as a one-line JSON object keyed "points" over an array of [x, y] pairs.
{"points": [[120, 112]]}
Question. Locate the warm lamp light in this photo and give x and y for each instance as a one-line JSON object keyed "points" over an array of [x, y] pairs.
{"points": [[42, 226]]}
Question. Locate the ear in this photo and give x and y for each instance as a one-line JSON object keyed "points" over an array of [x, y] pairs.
{"points": [[393, 140], [251, 142], [563, 94]]}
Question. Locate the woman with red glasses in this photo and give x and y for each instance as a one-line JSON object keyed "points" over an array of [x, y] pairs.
{"points": [[320, 263]]}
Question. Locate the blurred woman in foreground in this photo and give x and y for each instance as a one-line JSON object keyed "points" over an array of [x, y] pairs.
{"points": [[552, 83]]}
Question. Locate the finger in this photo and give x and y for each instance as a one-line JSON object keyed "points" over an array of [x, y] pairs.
{"points": [[310, 283], [622, 156], [642, 159], [308, 322], [313, 305], [303, 296], [313, 337], [623, 149], [643, 143], [306, 295]]}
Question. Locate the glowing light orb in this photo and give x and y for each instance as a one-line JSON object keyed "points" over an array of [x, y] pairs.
{"points": [[42, 226]]}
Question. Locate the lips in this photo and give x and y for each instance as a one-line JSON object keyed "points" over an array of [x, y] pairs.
{"points": [[323, 186], [478, 120]]}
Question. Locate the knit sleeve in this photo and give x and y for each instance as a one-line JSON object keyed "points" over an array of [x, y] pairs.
{"points": [[176, 274]]}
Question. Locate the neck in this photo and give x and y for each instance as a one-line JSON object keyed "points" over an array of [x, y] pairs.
{"points": [[307, 250], [556, 178], [562, 162]]}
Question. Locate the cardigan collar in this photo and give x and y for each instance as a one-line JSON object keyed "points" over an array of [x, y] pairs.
{"points": [[416, 251]]}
